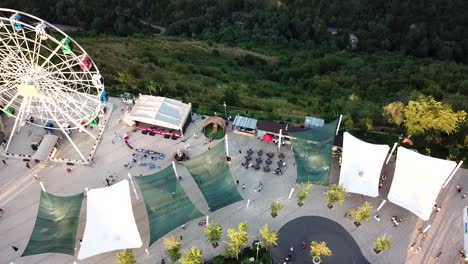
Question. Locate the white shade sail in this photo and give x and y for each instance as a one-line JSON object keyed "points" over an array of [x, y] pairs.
{"points": [[110, 224], [361, 165], [417, 181]]}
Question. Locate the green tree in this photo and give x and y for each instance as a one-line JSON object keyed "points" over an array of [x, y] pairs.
{"points": [[382, 243], [172, 248], [231, 97], [126, 257], [155, 88], [303, 192], [192, 256], [238, 239], [125, 77], [336, 194], [268, 238], [361, 213], [275, 208], [426, 114], [319, 249], [213, 233], [394, 112]]}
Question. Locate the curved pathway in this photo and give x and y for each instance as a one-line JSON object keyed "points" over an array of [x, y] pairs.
{"points": [[315, 228]]}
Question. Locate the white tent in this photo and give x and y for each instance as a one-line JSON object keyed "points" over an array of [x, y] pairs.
{"points": [[361, 165], [110, 224], [417, 181], [160, 111]]}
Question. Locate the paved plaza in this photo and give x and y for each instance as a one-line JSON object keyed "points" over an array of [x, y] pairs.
{"points": [[19, 198]]}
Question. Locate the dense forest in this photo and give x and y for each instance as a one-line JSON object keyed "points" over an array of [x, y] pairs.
{"points": [[436, 28], [391, 67]]}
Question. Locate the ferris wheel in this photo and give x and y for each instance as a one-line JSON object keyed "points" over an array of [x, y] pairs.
{"points": [[46, 78]]}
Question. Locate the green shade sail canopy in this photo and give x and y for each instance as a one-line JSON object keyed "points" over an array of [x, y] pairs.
{"points": [[212, 175], [56, 225], [312, 151], [166, 202]]}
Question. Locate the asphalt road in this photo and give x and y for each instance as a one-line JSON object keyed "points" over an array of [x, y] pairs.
{"points": [[314, 228]]}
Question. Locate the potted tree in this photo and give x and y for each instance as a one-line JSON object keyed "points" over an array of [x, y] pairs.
{"points": [[268, 238], [360, 214], [303, 192], [213, 233], [192, 256], [318, 250], [336, 194], [381, 244], [237, 240], [172, 248], [275, 207], [126, 257]]}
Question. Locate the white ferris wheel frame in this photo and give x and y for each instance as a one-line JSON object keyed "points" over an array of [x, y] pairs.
{"points": [[40, 81]]}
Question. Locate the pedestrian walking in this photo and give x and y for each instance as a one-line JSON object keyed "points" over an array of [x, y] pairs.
{"points": [[1, 211], [464, 196], [113, 141], [183, 226], [68, 170], [237, 182], [181, 238], [459, 188], [304, 245], [27, 165], [14, 248], [243, 186], [4, 162], [35, 176]]}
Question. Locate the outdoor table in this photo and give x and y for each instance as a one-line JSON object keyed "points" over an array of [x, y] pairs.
{"points": [[260, 152], [248, 158], [250, 151], [270, 154], [268, 161], [266, 168], [281, 155], [259, 160], [280, 163], [257, 167]]}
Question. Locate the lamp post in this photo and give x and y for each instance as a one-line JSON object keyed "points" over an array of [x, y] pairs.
{"points": [[225, 112], [258, 247]]}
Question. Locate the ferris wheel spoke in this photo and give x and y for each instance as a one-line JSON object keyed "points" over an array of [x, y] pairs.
{"points": [[8, 47], [76, 110], [62, 84], [15, 41], [64, 64], [80, 105]]}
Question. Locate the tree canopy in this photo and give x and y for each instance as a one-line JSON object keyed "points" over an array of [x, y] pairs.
{"points": [[238, 240], [416, 27], [126, 257], [424, 115]]}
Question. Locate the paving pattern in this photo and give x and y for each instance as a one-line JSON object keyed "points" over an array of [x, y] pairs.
{"points": [[19, 198]]}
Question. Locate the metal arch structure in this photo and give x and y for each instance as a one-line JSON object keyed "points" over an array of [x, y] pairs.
{"points": [[46, 77]]}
